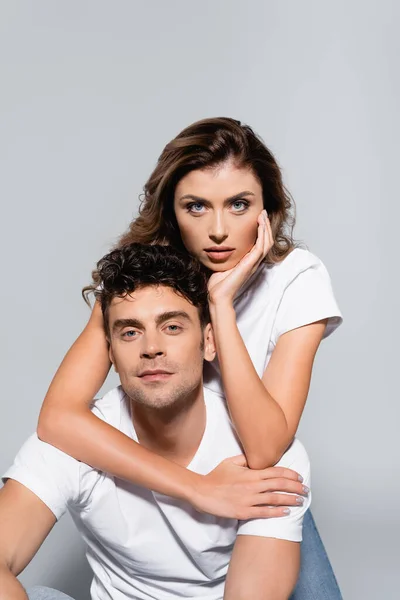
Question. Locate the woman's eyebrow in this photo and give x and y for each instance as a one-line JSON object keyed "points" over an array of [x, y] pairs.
{"points": [[230, 199]]}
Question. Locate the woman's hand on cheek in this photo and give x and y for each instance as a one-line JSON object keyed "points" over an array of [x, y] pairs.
{"points": [[224, 285]]}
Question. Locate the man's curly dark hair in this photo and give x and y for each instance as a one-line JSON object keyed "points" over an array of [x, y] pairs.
{"points": [[134, 266]]}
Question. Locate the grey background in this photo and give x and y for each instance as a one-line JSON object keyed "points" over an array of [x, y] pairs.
{"points": [[90, 93]]}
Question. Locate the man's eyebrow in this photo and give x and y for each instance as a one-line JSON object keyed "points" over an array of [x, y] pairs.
{"points": [[230, 199], [172, 314], [120, 323], [161, 318]]}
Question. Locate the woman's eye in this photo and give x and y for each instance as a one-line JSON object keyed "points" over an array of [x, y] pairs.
{"points": [[195, 207], [239, 205]]}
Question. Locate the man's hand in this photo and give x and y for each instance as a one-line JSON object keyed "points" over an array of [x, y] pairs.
{"points": [[234, 491]]}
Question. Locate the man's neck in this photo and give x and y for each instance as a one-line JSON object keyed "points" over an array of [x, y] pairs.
{"points": [[173, 432]]}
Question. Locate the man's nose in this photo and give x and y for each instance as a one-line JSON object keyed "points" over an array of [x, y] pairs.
{"points": [[218, 229], [152, 347]]}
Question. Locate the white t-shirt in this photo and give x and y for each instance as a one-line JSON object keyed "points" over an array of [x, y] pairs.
{"points": [[276, 299], [143, 545]]}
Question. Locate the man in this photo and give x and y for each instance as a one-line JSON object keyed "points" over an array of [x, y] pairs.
{"points": [[141, 544]]}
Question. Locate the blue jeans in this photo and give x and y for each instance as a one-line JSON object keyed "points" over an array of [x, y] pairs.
{"points": [[44, 593], [316, 581]]}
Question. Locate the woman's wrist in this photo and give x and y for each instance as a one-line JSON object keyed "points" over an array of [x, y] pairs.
{"points": [[223, 307], [191, 490]]}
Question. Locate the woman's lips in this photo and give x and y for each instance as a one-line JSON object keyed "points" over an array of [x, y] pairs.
{"points": [[219, 255]]}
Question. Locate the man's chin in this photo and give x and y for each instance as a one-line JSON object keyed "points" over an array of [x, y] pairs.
{"points": [[151, 394], [155, 402], [159, 395]]}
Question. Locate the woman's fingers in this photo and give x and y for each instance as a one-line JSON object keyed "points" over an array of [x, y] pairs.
{"points": [[263, 512], [276, 499], [264, 240], [269, 505], [274, 472], [281, 485], [269, 240], [253, 258]]}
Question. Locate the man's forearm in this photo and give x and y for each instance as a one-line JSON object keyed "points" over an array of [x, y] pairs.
{"points": [[10, 587], [262, 568]]}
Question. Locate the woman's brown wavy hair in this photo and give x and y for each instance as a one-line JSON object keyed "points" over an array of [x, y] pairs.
{"points": [[207, 144]]}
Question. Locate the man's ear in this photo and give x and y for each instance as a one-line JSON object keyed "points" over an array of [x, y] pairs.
{"points": [[111, 356], [209, 343]]}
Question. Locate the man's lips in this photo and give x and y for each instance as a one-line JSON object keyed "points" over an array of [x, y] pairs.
{"points": [[219, 253], [156, 375]]}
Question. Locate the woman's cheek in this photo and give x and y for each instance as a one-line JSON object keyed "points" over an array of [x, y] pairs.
{"points": [[250, 235], [190, 239]]}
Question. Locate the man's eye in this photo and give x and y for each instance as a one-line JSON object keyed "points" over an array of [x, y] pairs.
{"points": [[173, 328], [195, 207], [129, 334]]}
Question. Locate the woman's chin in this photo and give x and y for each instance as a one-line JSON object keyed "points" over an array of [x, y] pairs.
{"points": [[219, 267]]}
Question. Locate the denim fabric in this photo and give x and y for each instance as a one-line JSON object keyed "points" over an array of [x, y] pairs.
{"points": [[317, 580], [44, 593]]}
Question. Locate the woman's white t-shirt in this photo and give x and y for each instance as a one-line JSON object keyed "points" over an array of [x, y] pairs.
{"points": [[276, 299]]}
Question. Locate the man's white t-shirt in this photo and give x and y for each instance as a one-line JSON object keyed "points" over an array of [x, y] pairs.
{"points": [[143, 545], [276, 299]]}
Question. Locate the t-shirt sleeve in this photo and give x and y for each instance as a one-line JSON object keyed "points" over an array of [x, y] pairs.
{"points": [[308, 298], [50, 474], [289, 527]]}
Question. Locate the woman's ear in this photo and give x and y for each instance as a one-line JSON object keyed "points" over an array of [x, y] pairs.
{"points": [[209, 343]]}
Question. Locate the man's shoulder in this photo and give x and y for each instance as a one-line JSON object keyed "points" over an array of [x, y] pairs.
{"points": [[217, 409], [214, 399], [108, 407]]}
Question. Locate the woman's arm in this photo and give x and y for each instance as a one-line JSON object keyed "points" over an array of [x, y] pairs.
{"points": [[67, 422], [266, 412]]}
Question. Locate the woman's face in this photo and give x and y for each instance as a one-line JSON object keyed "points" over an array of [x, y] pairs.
{"points": [[217, 211]]}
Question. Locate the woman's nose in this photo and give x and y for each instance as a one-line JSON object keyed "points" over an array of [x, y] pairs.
{"points": [[218, 229]]}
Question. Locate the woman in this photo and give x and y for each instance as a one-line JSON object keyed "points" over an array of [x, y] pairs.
{"points": [[217, 192]]}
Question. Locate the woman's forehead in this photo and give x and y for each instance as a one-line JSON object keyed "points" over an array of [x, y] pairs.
{"points": [[222, 182]]}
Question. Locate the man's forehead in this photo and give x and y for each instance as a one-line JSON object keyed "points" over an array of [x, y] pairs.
{"points": [[150, 301]]}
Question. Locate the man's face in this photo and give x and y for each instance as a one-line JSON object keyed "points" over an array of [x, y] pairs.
{"points": [[158, 345]]}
